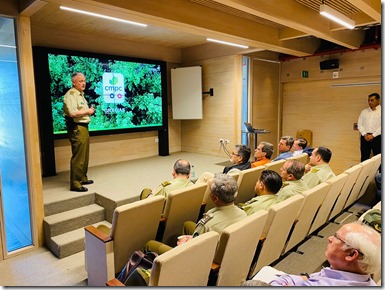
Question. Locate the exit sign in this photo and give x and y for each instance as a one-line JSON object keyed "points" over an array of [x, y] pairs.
{"points": [[304, 74]]}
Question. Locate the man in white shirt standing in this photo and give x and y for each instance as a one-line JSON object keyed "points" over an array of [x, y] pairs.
{"points": [[369, 125]]}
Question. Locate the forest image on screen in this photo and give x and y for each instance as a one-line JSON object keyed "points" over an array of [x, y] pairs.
{"points": [[125, 94]]}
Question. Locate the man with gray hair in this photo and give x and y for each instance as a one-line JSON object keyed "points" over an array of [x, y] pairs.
{"points": [[223, 190], [77, 117], [353, 252], [225, 213]]}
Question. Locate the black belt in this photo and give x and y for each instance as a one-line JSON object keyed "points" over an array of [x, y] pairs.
{"points": [[82, 124]]}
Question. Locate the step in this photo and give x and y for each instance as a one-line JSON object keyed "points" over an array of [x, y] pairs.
{"points": [[71, 242], [61, 202], [110, 204], [73, 219]]}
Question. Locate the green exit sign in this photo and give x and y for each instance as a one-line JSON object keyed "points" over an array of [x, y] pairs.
{"points": [[304, 74]]}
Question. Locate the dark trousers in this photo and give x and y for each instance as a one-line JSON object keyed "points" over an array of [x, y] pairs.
{"points": [[367, 147]]}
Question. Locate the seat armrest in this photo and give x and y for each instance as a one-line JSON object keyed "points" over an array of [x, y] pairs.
{"points": [[99, 257], [98, 234], [114, 283]]}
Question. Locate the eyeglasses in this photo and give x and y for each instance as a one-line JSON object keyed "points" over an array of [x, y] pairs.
{"points": [[344, 242], [232, 153]]}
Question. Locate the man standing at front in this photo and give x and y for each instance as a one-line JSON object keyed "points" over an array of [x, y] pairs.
{"points": [[369, 125], [77, 116]]}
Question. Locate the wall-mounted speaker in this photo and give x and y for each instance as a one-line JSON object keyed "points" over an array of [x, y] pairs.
{"points": [[329, 64]]}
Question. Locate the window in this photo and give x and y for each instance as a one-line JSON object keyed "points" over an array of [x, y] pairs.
{"points": [[15, 206]]}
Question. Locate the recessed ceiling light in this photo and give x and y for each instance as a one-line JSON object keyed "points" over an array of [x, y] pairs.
{"points": [[227, 43], [102, 16]]}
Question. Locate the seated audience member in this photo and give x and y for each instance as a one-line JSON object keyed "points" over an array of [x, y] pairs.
{"points": [[284, 147], [300, 146], [291, 172], [318, 169], [268, 184], [180, 174], [240, 159], [223, 190], [262, 154], [353, 253]]}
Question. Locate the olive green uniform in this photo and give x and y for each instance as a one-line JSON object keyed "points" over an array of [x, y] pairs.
{"points": [[291, 188], [165, 187], [78, 135], [317, 175], [218, 218], [260, 202], [169, 186]]}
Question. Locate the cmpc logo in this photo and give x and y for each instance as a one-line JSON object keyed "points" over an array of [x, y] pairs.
{"points": [[113, 88]]}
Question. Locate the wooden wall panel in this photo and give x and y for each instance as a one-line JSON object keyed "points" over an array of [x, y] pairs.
{"points": [[30, 127], [221, 112], [9, 7], [266, 100], [352, 64], [330, 113]]}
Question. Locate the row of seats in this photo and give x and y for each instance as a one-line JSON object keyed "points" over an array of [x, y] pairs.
{"points": [[247, 178], [277, 231]]}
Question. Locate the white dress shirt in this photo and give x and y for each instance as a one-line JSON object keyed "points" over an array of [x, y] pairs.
{"points": [[369, 121]]}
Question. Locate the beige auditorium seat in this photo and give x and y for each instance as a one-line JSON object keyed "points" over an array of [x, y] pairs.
{"points": [[246, 183], [275, 166], [133, 225], [313, 200], [274, 235], [307, 134], [207, 202], [350, 182], [182, 205], [367, 166], [188, 264], [303, 158], [336, 184], [372, 174], [236, 248]]}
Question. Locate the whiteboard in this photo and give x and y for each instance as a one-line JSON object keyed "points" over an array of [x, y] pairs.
{"points": [[186, 93]]}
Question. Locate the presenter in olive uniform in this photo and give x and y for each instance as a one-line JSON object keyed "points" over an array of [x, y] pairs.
{"points": [[77, 115]]}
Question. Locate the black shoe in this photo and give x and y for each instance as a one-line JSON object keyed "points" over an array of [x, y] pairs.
{"points": [[89, 181], [79, 189]]}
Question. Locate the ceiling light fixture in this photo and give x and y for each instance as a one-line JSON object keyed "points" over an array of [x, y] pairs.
{"points": [[227, 43], [336, 16], [102, 16]]}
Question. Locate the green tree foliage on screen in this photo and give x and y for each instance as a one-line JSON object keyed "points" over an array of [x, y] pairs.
{"points": [[142, 87]]}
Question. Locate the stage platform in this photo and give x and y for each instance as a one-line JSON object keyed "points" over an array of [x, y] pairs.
{"points": [[122, 182]]}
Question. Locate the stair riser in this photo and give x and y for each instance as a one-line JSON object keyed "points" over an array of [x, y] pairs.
{"points": [[67, 249], [69, 204], [64, 226]]}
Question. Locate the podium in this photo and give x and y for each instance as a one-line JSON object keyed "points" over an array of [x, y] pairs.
{"points": [[254, 135]]}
